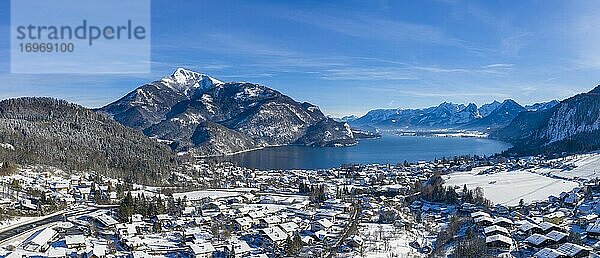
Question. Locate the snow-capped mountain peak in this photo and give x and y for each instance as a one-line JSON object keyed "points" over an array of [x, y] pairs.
{"points": [[183, 75], [188, 81]]}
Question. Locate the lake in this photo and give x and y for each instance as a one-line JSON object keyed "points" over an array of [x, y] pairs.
{"points": [[387, 149]]}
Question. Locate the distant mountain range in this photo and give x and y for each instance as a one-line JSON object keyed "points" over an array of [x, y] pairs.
{"points": [[447, 116], [197, 113], [572, 125], [346, 119]]}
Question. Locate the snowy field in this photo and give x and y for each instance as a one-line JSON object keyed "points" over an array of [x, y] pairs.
{"points": [[198, 195], [384, 240], [588, 167], [508, 188]]}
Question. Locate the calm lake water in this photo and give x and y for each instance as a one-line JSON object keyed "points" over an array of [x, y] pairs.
{"points": [[388, 149]]}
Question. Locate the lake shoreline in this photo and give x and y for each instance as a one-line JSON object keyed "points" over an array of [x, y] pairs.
{"points": [[388, 149]]}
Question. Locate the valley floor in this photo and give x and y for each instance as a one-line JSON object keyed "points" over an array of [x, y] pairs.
{"points": [[509, 187]]}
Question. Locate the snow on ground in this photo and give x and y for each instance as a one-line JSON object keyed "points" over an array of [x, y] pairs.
{"points": [[271, 207], [510, 187], [198, 195], [588, 167], [9, 223], [18, 221], [385, 240]]}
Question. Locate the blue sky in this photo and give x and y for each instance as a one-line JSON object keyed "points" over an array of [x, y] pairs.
{"points": [[352, 56]]}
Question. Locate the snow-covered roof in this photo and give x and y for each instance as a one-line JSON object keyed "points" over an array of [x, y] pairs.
{"points": [[325, 223], [571, 249], [548, 225], [140, 254], [272, 220], [244, 221], [556, 235], [56, 252], [74, 239], [537, 239], [98, 250], [483, 218], [202, 248], [44, 236], [289, 226], [528, 226], [494, 228], [106, 220], [548, 253], [479, 214], [594, 228], [502, 219], [274, 233], [163, 217], [242, 247], [256, 214], [500, 238]]}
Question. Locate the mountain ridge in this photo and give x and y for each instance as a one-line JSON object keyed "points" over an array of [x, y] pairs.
{"points": [[172, 109], [573, 125], [447, 115]]}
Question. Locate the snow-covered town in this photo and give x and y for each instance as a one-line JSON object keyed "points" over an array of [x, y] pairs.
{"points": [[461, 207]]}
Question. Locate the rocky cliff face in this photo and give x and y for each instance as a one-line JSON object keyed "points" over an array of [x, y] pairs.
{"points": [[500, 117], [571, 125]]}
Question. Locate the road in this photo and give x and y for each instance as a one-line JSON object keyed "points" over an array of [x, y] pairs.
{"points": [[353, 222], [16, 231], [29, 226]]}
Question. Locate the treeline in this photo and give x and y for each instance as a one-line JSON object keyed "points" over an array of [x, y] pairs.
{"points": [[46, 131], [316, 193], [470, 244], [433, 190], [579, 143], [149, 206]]}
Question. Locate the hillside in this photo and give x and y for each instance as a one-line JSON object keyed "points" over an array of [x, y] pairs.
{"points": [[573, 125], [45, 131]]}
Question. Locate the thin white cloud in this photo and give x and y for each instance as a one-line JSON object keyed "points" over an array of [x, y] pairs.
{"points": [[498, 66], [365, 74], [435, 69]]}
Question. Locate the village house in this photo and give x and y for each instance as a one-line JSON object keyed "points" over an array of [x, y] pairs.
{"points": [[549, 253], [76, 242], [593, 230], [269, 221], [557, 237], [41, 241], [529, 228], [201, 250], [499, 242], [243, 223], [274, 235], [539, 241], [547, 227], [495, 230], [322, 224], [574, 251]]}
